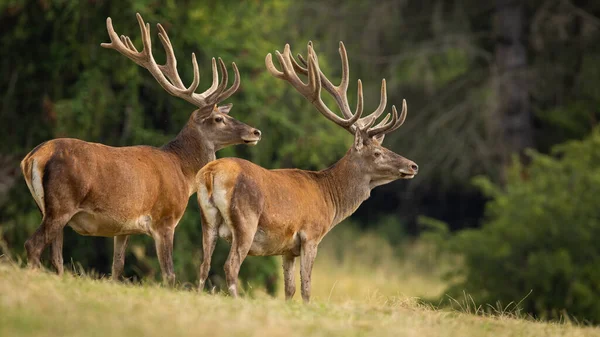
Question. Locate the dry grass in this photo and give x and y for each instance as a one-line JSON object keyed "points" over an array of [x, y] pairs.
{"points": [[42, 304], [366, 290], [372, 268]]}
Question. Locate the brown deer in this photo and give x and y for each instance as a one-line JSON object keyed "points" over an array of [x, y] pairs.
{"points": [[108, 191], [287, 212]]}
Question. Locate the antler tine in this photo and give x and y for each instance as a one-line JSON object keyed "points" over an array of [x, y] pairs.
{"points": [[384, 128], [189, 92], [343, 87], [213, 95], [215, 76], [127, 41], [234, 87], [381, 129], [384, 120], [401, 119], [271, 67], [146, 39], [370, 119], [117, 44], [170, 67], [359, 98], [167, 75]]}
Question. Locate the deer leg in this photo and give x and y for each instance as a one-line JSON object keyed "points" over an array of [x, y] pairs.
{"points": [[209, 241], [120, 244], [237, 254], [50, 227], [211, 220], [163, 239], [307, 259], [57, 252], [288, 276], [242, 238]]}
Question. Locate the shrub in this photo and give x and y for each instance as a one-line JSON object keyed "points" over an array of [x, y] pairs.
{"points": [[540, 235]]}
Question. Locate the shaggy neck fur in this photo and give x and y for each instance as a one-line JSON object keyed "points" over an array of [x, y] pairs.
{"points": [[193, 152], [345, 186]]}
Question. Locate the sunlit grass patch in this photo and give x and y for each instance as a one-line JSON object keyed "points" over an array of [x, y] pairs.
{"points": [[34, 303], [354, 265]]}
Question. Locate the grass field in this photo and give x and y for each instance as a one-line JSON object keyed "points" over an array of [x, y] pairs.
{"points": [[351, 298]]}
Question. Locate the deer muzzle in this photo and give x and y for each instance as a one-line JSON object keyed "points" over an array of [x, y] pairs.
{"points": [[252, 137], [409, 170]]}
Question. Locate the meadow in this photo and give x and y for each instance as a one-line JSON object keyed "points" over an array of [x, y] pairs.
{"points": [[365, 290]]}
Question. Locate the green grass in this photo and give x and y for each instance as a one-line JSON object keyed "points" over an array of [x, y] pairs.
{"points": [[34, 303]]}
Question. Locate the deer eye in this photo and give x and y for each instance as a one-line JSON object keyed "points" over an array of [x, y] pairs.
{"points": [[377, 154], [219, 119]]}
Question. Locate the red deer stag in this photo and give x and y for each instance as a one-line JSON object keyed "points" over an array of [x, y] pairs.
{"points": [[287, 212], [108, 191]]}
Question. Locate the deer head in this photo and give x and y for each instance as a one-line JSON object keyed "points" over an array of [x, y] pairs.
{"points": [[367, 155], [210, 122], [221, 129]]}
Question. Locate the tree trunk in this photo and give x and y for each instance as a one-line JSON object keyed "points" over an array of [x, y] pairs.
{"points": [[513, 114]]}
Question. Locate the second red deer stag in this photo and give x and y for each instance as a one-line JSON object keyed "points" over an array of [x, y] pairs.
{"points": [[287, 212], [100, 190]]}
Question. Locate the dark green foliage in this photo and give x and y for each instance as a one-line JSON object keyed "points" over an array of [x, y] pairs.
{"points": [[540, 235]]}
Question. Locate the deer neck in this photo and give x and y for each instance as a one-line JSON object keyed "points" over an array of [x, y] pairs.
{"points": [[345, 187], [192, 151]]}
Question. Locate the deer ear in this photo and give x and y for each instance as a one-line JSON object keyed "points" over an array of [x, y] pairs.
{"points": [[379, 138], [358, 140], [224, 109]]}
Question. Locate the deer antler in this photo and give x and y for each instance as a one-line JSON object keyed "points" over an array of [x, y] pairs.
{"points": [[311, 91], [166, 75]]}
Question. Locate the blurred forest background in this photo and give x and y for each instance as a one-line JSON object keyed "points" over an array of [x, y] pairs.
{"points": [[503, 101]]}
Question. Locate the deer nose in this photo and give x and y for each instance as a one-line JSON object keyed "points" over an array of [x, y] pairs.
{"points": [[414, 167], [256, 132]]}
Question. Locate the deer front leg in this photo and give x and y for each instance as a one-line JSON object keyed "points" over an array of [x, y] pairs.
{"points": [[307, 258], [163, 239], [288, 276], [120, 244]]}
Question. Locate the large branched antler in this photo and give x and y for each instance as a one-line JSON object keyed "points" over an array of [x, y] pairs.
{"points": [[166, 75], [312, 90]]}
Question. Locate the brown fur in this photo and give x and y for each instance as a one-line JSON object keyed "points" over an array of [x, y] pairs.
{"points": [[100, 190], [287, 212]]}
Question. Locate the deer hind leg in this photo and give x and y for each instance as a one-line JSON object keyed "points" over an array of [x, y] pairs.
{"points": [[211, 221], [57, 252], [209, 241], [243, 231], [288, 276], [50, 227], [307, 258], [164, 249], [120, 245]]}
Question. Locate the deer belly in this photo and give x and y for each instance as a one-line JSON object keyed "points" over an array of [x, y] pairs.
{"points": [[91, 224], [267, 244]]}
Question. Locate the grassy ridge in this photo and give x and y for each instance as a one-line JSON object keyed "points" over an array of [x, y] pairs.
{"points": [[42, 304]]}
